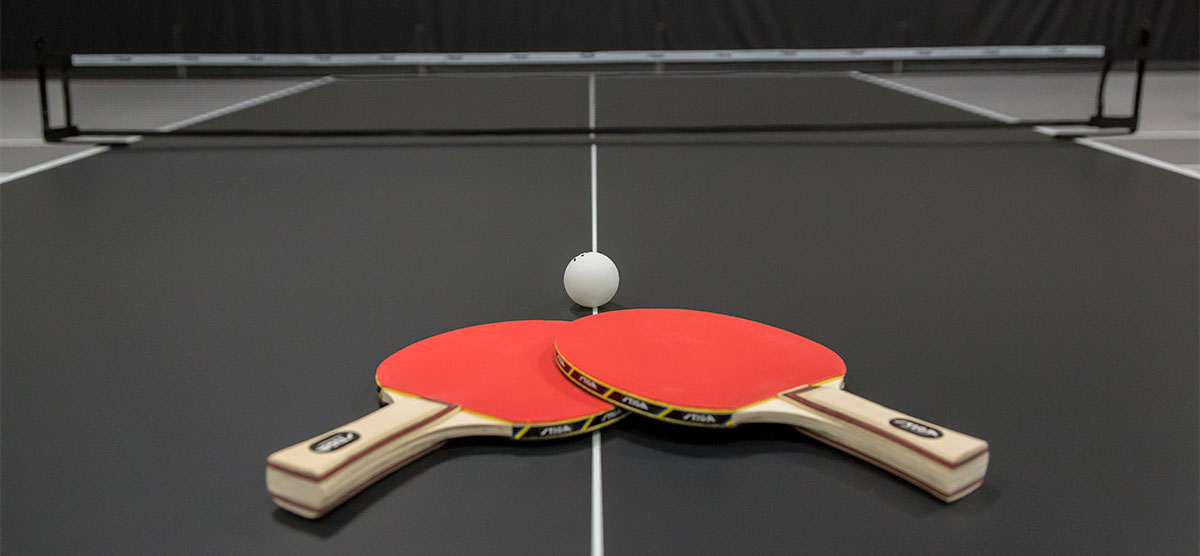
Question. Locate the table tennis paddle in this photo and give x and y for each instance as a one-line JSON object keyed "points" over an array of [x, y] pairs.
{"points": [[707, 369], [494, 379]]}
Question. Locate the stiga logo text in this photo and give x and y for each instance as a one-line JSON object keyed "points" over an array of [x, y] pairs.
{"points": [[333, 442], [916, 428]]}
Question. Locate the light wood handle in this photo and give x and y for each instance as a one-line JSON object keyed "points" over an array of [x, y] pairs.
{"points": [[312, 477], [945, 463]]}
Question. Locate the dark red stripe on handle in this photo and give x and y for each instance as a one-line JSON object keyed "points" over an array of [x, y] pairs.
{"points": [[795, 396], [359, 488], [893, 470]]}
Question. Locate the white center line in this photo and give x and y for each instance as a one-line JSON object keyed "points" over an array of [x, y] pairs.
{"points": [[597, 488], [592, 139], [597, 499]]}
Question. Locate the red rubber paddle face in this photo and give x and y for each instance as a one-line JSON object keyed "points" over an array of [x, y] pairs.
{"points": [[664, 362], [503, 370]]}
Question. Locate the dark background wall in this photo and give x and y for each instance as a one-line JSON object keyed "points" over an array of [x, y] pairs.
{"points": [[338, 26]]}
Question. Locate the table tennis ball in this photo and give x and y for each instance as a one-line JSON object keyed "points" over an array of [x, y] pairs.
{"points": [[591, 279]]}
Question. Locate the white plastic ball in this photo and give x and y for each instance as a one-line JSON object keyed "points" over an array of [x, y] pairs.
{"points": [[591, 279]]}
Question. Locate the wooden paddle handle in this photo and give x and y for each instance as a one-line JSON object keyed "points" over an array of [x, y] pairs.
{"points": [[945, 463], [316, 475]]}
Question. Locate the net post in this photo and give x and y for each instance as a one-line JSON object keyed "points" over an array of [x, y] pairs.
{"points": [[51, 134], [1143, 46], [1108, 62], [660, 42], [177, 43], [419, 46], [1138, 53], [902, 33], [39, 47], [66, 92]]}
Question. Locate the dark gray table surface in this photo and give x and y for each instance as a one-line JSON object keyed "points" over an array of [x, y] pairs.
{"points": [[174, 311]]}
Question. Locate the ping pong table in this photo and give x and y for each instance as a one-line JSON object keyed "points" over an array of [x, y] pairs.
{"points": [[176, 309]]}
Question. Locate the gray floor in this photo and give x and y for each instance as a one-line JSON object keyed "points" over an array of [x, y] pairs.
{"points": [[21, 143], [1170, 116], [141, 104]]}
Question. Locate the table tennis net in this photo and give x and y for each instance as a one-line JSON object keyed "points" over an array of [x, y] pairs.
{"points": [[589, 93]]}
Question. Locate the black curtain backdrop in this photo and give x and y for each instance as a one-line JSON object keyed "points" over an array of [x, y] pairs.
{"points": [[345, 26]]}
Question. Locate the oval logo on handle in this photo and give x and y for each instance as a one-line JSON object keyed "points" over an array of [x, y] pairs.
{"points": [[916, 428], [333, 442]]}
